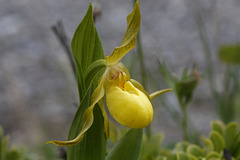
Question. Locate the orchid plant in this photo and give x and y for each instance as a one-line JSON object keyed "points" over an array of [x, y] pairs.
{"points": [[127, 101]]}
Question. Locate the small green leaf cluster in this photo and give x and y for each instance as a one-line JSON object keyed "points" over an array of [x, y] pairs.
{"points": [[222, 143], [183, 87], [7, 153], [186, 85]]}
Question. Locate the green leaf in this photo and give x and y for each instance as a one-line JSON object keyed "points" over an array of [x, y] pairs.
{"points": [[4, 146], [236, 148], [114, 132], [3, 149], [93, 70], [181, 146], [208, 144], [13, 155], [195, 150], [151, 146], [171, 157], [217, 126], [213, 155], [1, 146], [93, 145], [231, 132], [87, 121], [128, 147], [217, 140], [230, 54], [182, 156], [87, 48]]}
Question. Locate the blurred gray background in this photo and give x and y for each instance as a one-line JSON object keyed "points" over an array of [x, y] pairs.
{"points": [[38, 92]]}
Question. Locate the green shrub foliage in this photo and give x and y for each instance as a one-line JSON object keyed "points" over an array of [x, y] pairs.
{"points": [[223, 143]]}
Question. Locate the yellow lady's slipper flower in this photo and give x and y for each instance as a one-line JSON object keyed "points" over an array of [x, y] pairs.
{"points": [[127, 104], [127, 101]]}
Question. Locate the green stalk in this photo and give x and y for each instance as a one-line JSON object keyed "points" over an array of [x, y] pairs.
{"points": [[184, 120], [143, 73], [185, 124], [141, 58], [143, 70]]}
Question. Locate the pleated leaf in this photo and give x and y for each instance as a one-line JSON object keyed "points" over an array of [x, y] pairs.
{"points": [[87, 48], [128, 147]]}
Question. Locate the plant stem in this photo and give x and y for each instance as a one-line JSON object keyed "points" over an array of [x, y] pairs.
{"points": [[143, 71], [184, 124], [141, 58]]}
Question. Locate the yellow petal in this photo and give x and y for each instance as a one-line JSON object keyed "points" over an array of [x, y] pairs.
{"points": [[129, 40], [157, 93], [88, 117], [139, 86], [130, 107], [105, 117]]}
